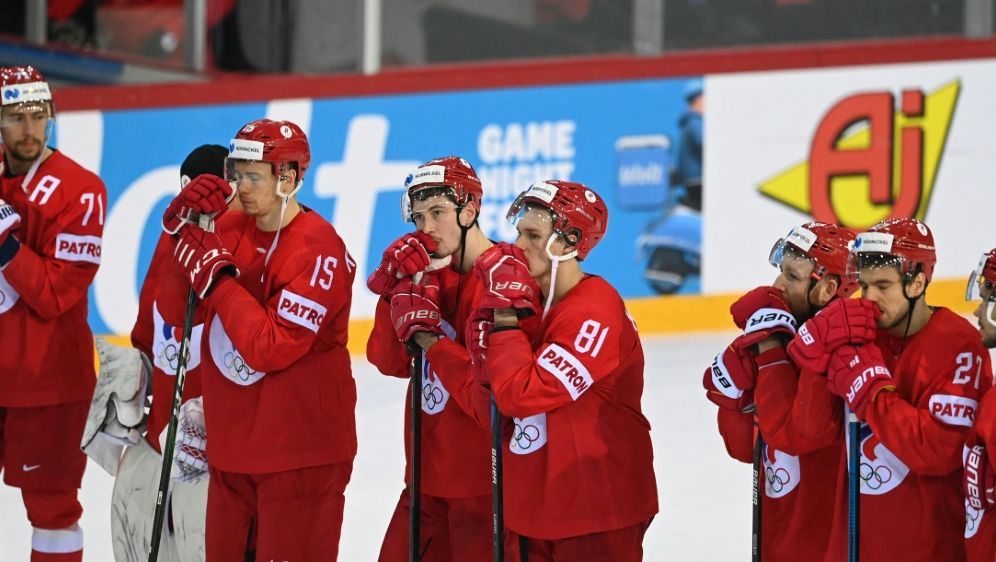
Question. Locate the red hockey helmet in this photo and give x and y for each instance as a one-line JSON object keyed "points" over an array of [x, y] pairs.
{"points": [[826, 245], [451, 172], [982, 282], [280, 143], [903, 243], [24, 85], [578, 214]]}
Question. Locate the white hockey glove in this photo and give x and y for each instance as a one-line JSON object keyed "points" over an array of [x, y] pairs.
{"points": [[118, 409], [190, 453]]}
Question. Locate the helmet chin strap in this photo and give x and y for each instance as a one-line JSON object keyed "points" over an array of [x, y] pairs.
{"points": [[989, 312], [284, 200], [554, 264]]}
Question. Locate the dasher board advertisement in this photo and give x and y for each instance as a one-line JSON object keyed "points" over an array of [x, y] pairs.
{"points": [[851, 145]]}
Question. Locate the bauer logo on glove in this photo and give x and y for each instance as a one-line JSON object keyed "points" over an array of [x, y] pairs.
{"points": [[869, 374], [416, 315], [770, 318], [805, 336]]}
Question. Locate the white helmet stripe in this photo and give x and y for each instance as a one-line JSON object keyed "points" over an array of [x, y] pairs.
{"points": [[434, 174], [873, 242], [245, 149], [21, 93]]}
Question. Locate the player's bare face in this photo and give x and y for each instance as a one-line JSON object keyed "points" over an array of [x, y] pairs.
{"points": [[794, 283], [535, 229], [437, 217], [884, 287], [22, 128], [985, 313], [257, 188]]}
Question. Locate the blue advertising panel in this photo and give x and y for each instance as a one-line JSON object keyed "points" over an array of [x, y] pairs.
{"points": [[362, 149]]}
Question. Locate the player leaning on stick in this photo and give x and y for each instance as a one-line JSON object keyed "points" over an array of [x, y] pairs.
{"points": [[979, 455], [579, 478], [117, 411], [443, 200], [915, 390], [51, 223], [800, 464], [279, 396]]}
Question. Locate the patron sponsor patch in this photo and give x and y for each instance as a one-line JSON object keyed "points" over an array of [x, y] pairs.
{"points": [[301, 310], [73, 247], [953, 410], [568, 369]]}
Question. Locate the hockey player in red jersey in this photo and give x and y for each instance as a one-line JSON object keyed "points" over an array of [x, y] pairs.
{"points": [[915, 390], [979, 455], [117, 411], [443, 199], [51, 222], [279, 397], [753, 378], [579, 477]]}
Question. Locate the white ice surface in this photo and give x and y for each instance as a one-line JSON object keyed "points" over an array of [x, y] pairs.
{"points": [[704, 495]]}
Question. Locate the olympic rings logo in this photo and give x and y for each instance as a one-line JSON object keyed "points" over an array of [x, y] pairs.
{"points": [[777, 479], [972, 518], [525, 435], [875, 477], [169, 354], [432, 396], [237, 367]]}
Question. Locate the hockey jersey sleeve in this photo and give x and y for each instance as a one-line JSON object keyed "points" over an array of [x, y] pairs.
{"points": [[54, 279], [384, 351], [450, 361], [142, 334], [795, 410], [310, 287], [579, 347], [929, 435]]}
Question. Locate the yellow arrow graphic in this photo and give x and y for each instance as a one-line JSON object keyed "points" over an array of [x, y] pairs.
{"points": [[850, 195]]}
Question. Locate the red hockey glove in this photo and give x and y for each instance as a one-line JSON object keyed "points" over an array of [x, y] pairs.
{"points": [[10, 222], [415, 308], [207, 194], [476, 339], [843, 321], [761, 313], [979, 476], [205, 259], [857, 374], [729, 381], [405, 257], [504, 273]]}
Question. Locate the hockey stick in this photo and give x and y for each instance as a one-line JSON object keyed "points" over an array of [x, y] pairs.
{"points": [[756, 516], [853, 486], [415, 480], [164, 474], [497, 486]]}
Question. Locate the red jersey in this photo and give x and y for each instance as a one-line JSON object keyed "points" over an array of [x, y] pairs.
{"points": [[162, 305], [456, 450], [912, 505], [579, 457], [47, 345], [980, 526], [278, 387], [801, 463]]}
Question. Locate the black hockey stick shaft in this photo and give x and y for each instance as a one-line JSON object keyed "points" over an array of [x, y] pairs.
{"points": [[757, 480], [497, 486], [415, 479], [164, 474], [853, 487]]}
